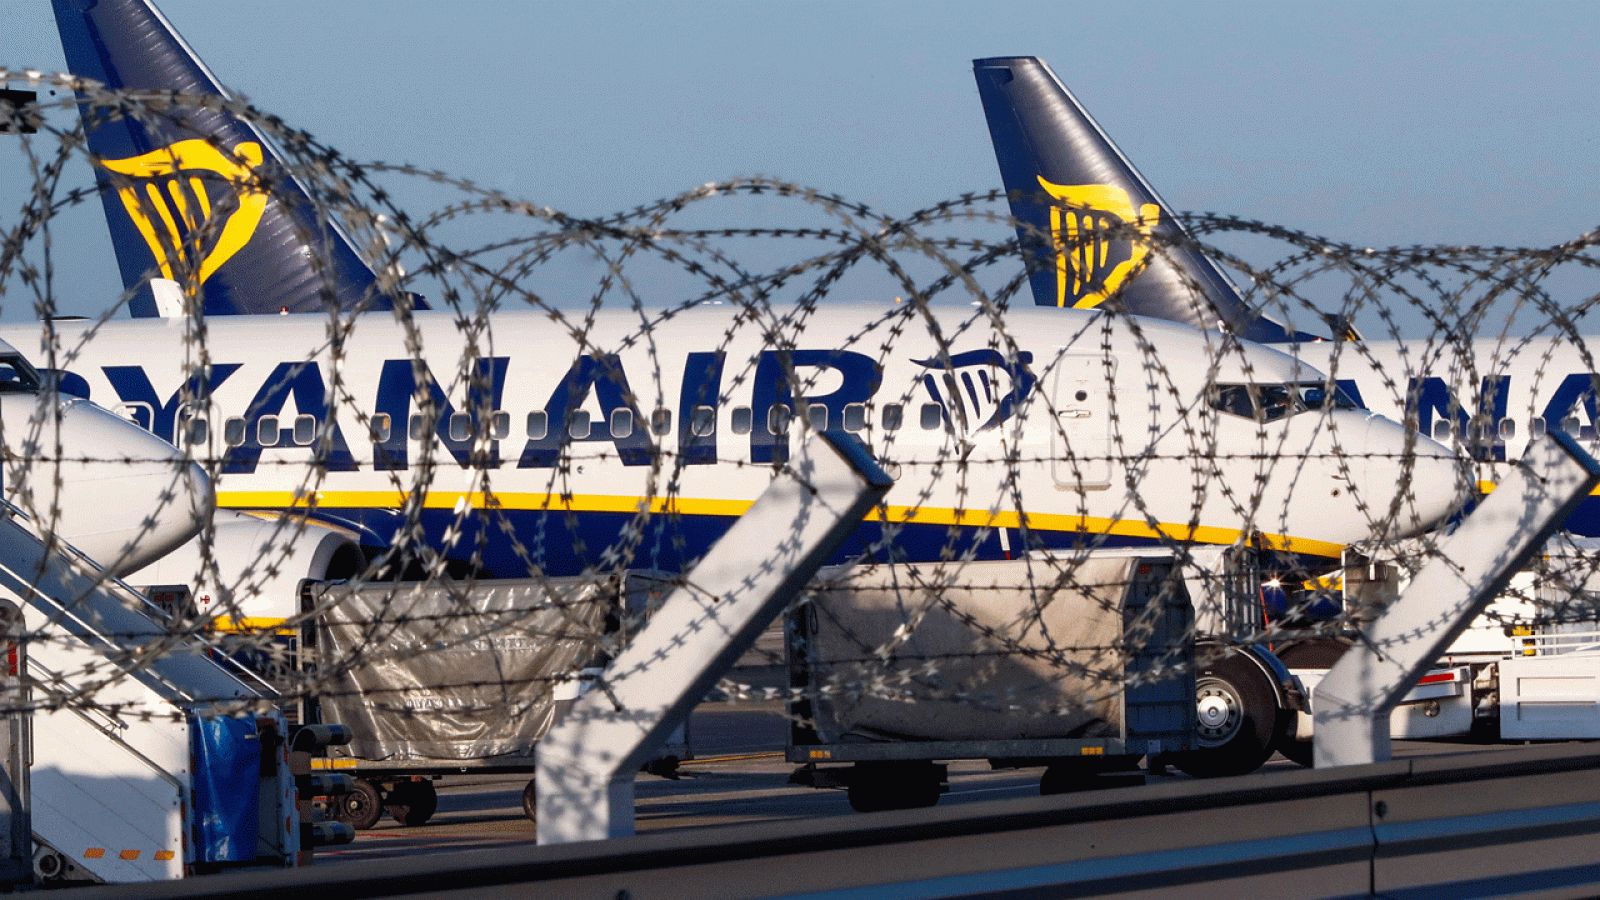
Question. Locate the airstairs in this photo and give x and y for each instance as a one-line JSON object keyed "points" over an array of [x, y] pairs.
{"points": [[147, 749]]}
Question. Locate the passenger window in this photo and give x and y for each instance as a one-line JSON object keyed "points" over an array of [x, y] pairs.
{"points": [[139, 414], [305, 429], [419, 427], [893, 416], [817, 416], [1441, 430], [460, 426], [855, 417], [198, 430], [538, 424], [1508, 428], [233, 431], [1536, 427], [932, 416], [621, 423], [703, 422], [778, 419], [578, 425], [500, 426], [741, 420], [661, 421], [267, 431], [381, 429], [1570, 425]]}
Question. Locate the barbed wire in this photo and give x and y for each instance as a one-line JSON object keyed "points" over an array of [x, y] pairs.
{"points": [[815, 311]]}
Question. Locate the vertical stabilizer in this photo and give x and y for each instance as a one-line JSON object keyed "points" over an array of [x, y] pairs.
{"points": [[1091, 228], [199, 196]]}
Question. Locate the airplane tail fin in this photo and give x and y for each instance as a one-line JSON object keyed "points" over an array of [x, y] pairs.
{"points": [[198, 196], [1091, 228]]}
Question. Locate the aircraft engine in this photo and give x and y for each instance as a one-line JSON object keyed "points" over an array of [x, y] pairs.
{"points": [[245, 570]]}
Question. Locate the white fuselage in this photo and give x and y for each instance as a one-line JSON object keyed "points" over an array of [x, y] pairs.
{"points": [[1047, 429]]}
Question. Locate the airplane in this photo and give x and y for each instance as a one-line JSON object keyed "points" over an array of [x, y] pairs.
{"points": [[1486, 398], [524, 446], [578, 445]]}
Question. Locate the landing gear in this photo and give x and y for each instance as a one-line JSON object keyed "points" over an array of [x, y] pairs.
{"points": [[412, 802], [875, 787], [361, 808], [1238, 718]]}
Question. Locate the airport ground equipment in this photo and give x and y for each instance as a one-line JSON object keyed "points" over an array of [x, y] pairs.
{"points": [[1352, 703], [151, 760], [474, 673], [1519, 673], [587, 762], [899, 668]]}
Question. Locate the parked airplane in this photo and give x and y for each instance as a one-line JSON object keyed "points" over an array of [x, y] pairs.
{"points": [[521, 455], [1487, 398], [529, 448]]}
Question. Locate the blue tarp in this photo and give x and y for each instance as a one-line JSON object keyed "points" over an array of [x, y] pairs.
{"points": [[227, 780]]}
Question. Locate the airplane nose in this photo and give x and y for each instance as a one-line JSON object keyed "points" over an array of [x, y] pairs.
{"points": [[116, 492], [1412, 482]]}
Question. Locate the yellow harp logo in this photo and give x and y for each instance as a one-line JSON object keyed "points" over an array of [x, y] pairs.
{"points": [[170, 202], [1096, 232]]}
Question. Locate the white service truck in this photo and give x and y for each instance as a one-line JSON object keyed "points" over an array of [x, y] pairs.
{"points": [[1527, 669]]}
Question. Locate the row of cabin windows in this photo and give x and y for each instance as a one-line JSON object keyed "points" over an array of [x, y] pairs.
{"points": [[1446, 429], [269, 430]]}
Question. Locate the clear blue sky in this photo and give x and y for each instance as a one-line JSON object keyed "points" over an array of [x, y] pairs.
{"points": [[1376, 123]]}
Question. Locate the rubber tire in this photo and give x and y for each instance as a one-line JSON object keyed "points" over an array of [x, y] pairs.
{"points": [[361, 808], [413, 803], [530, 800], [1253, 724], [879, 787], [1321, 653]]}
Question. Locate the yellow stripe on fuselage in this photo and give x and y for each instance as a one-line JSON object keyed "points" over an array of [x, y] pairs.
{"points": [[1486, 487], [689, 506]]}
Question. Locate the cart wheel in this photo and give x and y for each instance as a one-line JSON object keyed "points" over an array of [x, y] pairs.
{"points": [[361, 808], [530, 800], [413, 802], [1239, 719]]}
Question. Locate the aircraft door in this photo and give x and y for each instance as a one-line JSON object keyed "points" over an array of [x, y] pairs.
{"points": [[1080, 440]]}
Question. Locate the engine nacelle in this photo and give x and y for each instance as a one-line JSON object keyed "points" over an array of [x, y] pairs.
{"points": [[248, 578]]}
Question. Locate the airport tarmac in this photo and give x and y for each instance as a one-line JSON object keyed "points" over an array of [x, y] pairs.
{"points": [[739, 776]]}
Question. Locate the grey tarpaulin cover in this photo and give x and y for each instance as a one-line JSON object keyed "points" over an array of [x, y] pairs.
{"points": [[952, 651], [432, 671]]}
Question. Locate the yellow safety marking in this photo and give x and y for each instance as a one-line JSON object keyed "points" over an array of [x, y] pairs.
{"points": [[252, 625], [974, 518], [334, 763], [129, 854], [821, 754], [94, 853], [1092, 751], [163, 855]]}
